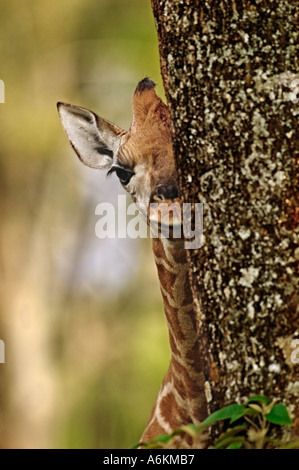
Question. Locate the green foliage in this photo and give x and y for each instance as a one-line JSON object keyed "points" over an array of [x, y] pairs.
{"points": [[250, 426], [279, 415]]}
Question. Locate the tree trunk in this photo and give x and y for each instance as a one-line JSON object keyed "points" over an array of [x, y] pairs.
{"points": [[229, 71]]}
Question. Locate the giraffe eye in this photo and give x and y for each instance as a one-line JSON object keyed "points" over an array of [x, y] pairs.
{"points": [[124, 175]]}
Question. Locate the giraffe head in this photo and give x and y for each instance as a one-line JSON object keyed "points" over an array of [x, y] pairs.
{"points": [[142, 158]]}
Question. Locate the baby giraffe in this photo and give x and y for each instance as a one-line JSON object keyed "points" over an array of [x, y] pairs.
{"points": [[143, 160]]}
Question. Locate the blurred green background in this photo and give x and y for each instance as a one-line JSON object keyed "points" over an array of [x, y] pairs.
{"points": [[85, 338]]}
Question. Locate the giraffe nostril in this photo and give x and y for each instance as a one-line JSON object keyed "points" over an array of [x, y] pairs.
{"points": [[167, 191], [158, 197]]}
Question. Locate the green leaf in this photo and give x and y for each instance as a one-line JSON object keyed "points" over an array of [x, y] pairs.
{"points": [[161, 438], [279, 415], [258, 398], [134, 446], [236, 432], [229, 441], [256, 408], [191, 429], [238, 414], [251, 412], [236, 445], [224, 413], [292, 445]]}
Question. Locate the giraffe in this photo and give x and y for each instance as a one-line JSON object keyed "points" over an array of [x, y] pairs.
{"points": [[143, 160]]}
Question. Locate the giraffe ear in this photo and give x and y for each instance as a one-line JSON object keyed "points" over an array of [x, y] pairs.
{"points": [[94, 139]]}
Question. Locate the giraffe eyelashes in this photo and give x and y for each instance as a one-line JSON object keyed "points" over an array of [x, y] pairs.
{"points": [[124, 175]]}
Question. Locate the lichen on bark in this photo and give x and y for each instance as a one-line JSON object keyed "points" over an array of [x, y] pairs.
{"points": [[232, 86]]}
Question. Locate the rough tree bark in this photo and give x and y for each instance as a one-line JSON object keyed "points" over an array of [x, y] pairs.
{"points": [[229, 71]]}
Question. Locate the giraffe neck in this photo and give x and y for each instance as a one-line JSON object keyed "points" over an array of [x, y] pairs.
{"points": [[180, 400]]}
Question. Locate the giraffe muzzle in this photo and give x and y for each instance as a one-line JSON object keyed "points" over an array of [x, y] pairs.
{"points": [[166, 218]]}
